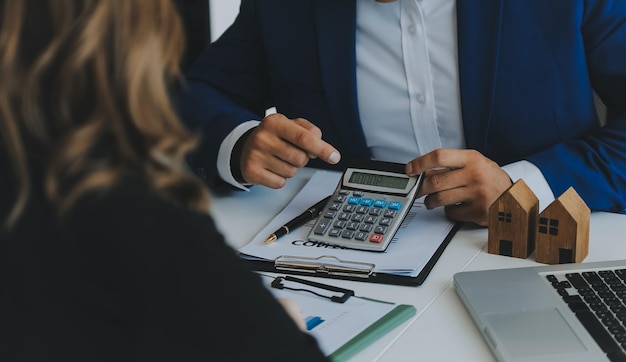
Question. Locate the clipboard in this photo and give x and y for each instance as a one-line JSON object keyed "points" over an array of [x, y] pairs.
{"points": [[408, 261], [329, 266], [354, 322]]}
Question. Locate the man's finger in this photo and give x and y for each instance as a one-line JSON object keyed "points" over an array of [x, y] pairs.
{"points": [[446, 158], [302, 134], [309, 142], [309, 126]]}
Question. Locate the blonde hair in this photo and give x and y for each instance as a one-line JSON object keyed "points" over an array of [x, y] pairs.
{"points": [[84, 99]]}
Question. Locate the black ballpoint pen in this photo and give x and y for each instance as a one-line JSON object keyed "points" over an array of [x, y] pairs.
{"points": [[310, 214]]}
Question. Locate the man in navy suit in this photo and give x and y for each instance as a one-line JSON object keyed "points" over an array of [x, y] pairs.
{"points": [[478, 93]]}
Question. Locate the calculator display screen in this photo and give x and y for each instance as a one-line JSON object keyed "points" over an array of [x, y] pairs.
{"points": [[369, 179]]}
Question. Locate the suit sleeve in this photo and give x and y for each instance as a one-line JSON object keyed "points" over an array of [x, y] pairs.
{"points": [[226, 86], [595, 165]]}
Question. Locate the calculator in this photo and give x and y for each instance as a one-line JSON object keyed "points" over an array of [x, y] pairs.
{"points": [[367, 207]]}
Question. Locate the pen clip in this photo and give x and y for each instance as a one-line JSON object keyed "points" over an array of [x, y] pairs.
{"points": [[346, 293]]}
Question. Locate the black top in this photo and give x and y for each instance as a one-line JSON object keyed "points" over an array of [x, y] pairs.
{"points": [[128, 276]]}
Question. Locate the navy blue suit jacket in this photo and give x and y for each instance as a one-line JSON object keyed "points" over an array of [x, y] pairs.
{"points": [[528, 70]]}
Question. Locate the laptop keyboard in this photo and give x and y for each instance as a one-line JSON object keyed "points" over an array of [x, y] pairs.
{"points": [[598, 299]]}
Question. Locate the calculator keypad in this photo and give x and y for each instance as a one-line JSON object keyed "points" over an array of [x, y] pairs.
{"points": [[357, 216]]}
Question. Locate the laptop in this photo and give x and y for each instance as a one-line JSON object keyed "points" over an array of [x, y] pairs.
{"points": [[565, 312]]}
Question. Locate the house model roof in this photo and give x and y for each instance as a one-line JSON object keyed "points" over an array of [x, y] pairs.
{"points": [[573, 204], [522, 194]]}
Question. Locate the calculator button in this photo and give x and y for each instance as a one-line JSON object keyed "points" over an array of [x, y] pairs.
{"points": [[369, 219], [334, 233], [361, 236], [330, 214], [380, 203], [334, 206], [344, 216], [358, 193], [385, 221], [339, 198], [366, 227], [389, 213], [339, 224], [344, 192], [395, 205], [357, 217], [352, 225], [353, 200], [375, 211], [367, 201], [362, 209], [380, 229], [376, 238], [349, 208], [320, 229], [347, 234]]}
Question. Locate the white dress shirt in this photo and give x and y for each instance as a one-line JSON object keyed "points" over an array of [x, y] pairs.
{"points": [[407, 87]]}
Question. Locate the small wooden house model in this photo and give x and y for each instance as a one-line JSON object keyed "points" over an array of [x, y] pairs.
{"points": [[512, 219], [563, 230]]}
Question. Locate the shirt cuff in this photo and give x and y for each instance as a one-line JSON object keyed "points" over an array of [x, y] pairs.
{"points": [[534, 179], [226, 150]]}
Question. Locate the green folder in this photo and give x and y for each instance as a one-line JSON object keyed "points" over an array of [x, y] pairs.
{"points": [[382, 326]]}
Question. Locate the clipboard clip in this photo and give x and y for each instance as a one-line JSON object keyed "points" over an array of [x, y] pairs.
{"points": [[345, 293], [325, 264]]}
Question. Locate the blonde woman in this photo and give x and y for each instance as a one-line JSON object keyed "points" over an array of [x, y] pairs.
{"points": [[107, 252]]}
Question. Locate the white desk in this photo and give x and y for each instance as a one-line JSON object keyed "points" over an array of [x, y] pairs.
{"points": [[441, 330]]}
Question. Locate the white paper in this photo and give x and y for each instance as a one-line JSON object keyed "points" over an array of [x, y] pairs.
{"points": [[337, 323], [414, 244]]}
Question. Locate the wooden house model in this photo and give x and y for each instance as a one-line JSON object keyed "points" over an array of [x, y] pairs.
{"points": [[562, 234], [512, 219]]}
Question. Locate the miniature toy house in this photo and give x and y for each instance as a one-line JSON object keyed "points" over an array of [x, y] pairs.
{"points": [[563, 230], [512, 219]]}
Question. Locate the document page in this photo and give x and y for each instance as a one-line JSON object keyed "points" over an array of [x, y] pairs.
{"points": [[416, 241], [335, 324]]}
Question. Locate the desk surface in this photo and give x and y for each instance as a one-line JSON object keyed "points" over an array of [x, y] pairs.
{"points": [[442, 330]]}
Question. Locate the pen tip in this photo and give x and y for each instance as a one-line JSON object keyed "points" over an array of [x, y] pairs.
{"points": [[270, 239]]}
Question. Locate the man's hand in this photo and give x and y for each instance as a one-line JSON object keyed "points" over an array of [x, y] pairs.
{"points": [[278, 146], [465, 182]]}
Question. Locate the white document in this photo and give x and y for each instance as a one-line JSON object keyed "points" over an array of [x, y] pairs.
{"points": [[415, 242], [335, 324]]}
